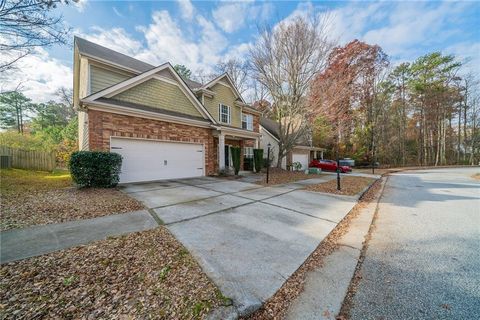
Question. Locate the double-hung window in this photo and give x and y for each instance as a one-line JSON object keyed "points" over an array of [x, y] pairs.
{"points": [[248, 152], [247, 122], [224, 114]]}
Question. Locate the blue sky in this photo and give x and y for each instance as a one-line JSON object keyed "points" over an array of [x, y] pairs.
{"points": [[199, 34]]}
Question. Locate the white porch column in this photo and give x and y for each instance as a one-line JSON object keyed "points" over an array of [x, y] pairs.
{"points": [[315, 154], [221, 151], [257, 143], [321, 154]]}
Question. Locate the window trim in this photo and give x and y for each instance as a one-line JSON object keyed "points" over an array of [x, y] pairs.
{"points": [[247, 155], [247, 116], [229, 113]]}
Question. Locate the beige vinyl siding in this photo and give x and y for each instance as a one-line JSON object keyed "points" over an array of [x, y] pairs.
{"points": [[101, 78], [224, 95], [159, 94], [82, 130]]}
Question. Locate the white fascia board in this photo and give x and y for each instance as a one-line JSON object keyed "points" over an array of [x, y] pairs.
{"points": [[190, 94], [102, 106], [232, 85], [270, 134], [124, 85], [115, 65]]}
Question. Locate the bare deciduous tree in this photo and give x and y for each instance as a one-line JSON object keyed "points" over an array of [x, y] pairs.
{"points": [[237, 70], [285, 60], [26, 25]]}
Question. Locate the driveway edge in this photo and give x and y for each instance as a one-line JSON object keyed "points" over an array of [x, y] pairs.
{"points": [[339, 242], [327, 286]]}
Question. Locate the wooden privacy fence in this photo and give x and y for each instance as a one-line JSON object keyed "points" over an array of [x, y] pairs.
{"points": [[30, 159]]}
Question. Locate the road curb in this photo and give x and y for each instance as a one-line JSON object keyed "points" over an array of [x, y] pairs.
{"points": [[327, 286]]}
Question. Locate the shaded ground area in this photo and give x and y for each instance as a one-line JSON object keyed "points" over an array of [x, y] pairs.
{"points": [[33, 198], [422, 261], [140, 275], [279, 176], [350, 186]]}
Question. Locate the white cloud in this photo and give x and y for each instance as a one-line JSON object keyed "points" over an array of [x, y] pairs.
{"points": [[468, 53], [80, 5], [116, 39], [39, 76], [187, 9], [232, 16], [166, 42]]}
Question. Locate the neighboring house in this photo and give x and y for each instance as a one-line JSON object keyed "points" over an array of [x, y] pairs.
{"points": [[303, 152], [164, 126]]}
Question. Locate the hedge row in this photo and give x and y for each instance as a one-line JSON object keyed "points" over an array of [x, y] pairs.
{"points": [[95, 168]]}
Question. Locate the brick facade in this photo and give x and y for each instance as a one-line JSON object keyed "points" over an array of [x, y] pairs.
{"points": [[103, 125]]}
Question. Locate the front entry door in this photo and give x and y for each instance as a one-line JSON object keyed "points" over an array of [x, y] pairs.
{"points": [[227, 156]]}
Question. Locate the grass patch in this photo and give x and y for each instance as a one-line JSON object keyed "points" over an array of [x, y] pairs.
{"points": [[38, 197], [350, 186], [18, 181]]}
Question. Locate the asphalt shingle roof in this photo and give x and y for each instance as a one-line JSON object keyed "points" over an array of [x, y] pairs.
{"points": [[95, 50], [150, 109]]}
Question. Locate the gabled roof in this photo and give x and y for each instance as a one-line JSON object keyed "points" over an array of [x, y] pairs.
{"points": [[274, 129], [94, 50], [271, 126], [147, 108], [131, 82], [220, 77], [107, 55]]}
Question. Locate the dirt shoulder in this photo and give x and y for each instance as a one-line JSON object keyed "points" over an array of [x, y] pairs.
{"points": [[350, 186], [280, 176], [139, 276], [33, 198]]}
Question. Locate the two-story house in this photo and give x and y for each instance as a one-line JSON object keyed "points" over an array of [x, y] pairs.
{"points": [[164, 126]]}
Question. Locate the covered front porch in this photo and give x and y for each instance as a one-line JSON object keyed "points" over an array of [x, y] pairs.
{"points": [[226, 137]]}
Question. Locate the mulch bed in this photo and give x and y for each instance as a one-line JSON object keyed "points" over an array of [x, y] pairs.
{"points": [[280, 176], [142, 275], [20, 210], [350, 186], [277, 306]]}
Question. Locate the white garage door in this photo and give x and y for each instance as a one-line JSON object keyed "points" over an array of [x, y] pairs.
{"points": [[148, 160], [302, 158]]}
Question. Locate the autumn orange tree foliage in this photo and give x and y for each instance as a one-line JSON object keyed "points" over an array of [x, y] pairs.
{"points": [[347, 88], [419, 113]]}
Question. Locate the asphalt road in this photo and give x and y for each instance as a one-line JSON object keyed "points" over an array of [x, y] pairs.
{"points": [[423, 260]]}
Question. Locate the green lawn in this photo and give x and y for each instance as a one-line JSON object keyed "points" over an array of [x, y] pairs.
{"points": [[18, 181]]}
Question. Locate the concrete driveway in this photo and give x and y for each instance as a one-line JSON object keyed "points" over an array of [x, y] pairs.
{"points": [[249, 239]]}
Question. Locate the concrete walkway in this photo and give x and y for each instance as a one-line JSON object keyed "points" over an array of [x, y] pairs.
{"points": [[248, 239], [326, 287], [30, 242]]}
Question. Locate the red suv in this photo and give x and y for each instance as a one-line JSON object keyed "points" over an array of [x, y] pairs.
{"points": [[328, 165]]}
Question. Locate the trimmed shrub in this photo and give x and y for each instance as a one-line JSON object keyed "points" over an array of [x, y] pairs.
{"points": [[95, 168], [258, 159], [236, 158], [248, 164]]}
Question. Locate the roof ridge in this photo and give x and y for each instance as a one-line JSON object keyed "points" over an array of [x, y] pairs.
{"points": [[104, 48]]}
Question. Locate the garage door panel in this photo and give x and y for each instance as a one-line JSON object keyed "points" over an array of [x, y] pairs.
{"points": [[302, 158], [147, 160]]}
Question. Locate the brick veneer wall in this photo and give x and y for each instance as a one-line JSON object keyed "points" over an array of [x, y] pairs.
{"points": [[103, 125]]}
